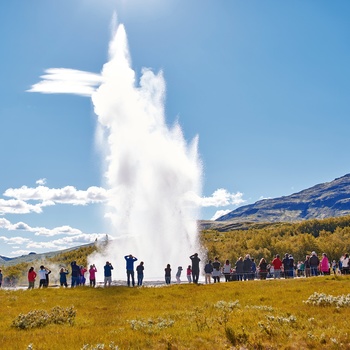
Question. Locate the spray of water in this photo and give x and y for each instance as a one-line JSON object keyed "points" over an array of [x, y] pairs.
{"points": [[149, 168]]}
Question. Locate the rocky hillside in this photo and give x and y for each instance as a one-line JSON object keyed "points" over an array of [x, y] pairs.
{"points": [[330, 199]]}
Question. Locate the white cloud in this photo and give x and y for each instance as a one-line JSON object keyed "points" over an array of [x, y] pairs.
{"points": [[67, 242], [220, 213], [19, 252], [14, 240], [4, 223], [17, 206], [67, 81], [65, 195], [41, 181], [220, 198]]}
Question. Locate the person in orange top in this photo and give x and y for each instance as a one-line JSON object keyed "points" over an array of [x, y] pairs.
{"points": [[31, 278]]}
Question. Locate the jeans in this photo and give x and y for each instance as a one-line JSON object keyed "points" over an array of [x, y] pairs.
{"points": [[314, 271], [130, 273], [195, 276], [75, 281], [139, 279], [276, 273]]}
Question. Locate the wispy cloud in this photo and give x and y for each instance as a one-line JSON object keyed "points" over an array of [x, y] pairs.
{"points": [[14, 240], [67, 81], [70, 237], [40, 231], [17, 206], [65, 195]]}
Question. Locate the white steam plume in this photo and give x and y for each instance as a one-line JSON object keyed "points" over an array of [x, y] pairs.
{"points": [[150, 170]]}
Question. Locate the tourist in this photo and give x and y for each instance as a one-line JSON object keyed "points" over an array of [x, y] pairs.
{"points": [[178, 274], [334, 267], [253, 269], [301, 268], [247, 268], [130, 268], [1, 278], [43, 272], [277, 265], [75, 274], [345, 264], [208, 269], [83, 270], [63, 277], [92, 275], [108, 274], [216, 270], [286, 265], [31, 278], [167, 274], [291, 266], [139, 270], [195, 267], [227, 271], [262, 269], [314, 264], [324, 265], [307, 266], [189, 274], [239, 269]]}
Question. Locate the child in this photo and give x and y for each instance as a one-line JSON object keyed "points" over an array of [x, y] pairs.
{"points": [[178, 274], [139, 270], [189, 274]]}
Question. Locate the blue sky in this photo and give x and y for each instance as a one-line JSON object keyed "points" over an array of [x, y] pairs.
{"points": [[264, 84]]}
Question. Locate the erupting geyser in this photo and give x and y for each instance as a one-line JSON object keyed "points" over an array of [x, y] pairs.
{"points": [[150, 169], [152, 174]]}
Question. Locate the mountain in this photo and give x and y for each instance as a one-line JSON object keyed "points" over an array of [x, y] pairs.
{"points": [[4, 259], [329, 199]]}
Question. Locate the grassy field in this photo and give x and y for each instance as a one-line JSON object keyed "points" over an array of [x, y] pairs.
{"points": [[270, 314]]}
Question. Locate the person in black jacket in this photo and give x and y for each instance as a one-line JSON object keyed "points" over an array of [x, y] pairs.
{"points": [[75, 274], [314, 264], [195, 267]]}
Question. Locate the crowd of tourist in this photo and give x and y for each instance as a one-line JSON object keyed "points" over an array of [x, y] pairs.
{"points": [[247, 268], [240, 270]]}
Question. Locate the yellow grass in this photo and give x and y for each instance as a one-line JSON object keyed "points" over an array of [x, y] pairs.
{"points": [[271, 315]]}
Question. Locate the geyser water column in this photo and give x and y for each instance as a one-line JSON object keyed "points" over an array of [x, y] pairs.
{"points": [[150, 170]]}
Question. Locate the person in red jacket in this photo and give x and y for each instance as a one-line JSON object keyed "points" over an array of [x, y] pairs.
{"points": [[31, 278], [277, 264]]}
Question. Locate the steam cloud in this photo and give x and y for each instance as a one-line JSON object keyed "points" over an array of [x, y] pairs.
{"points": [[149, 168]]}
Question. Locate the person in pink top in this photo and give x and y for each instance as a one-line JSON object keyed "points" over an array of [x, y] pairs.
{"points": [[92, 276], [324, 264]]}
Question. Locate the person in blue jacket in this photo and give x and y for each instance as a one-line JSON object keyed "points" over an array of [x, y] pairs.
{"points": [[108, 273], [130, 259]]}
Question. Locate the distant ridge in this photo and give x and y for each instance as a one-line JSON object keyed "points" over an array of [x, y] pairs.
{"points": [[325, 200]]}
